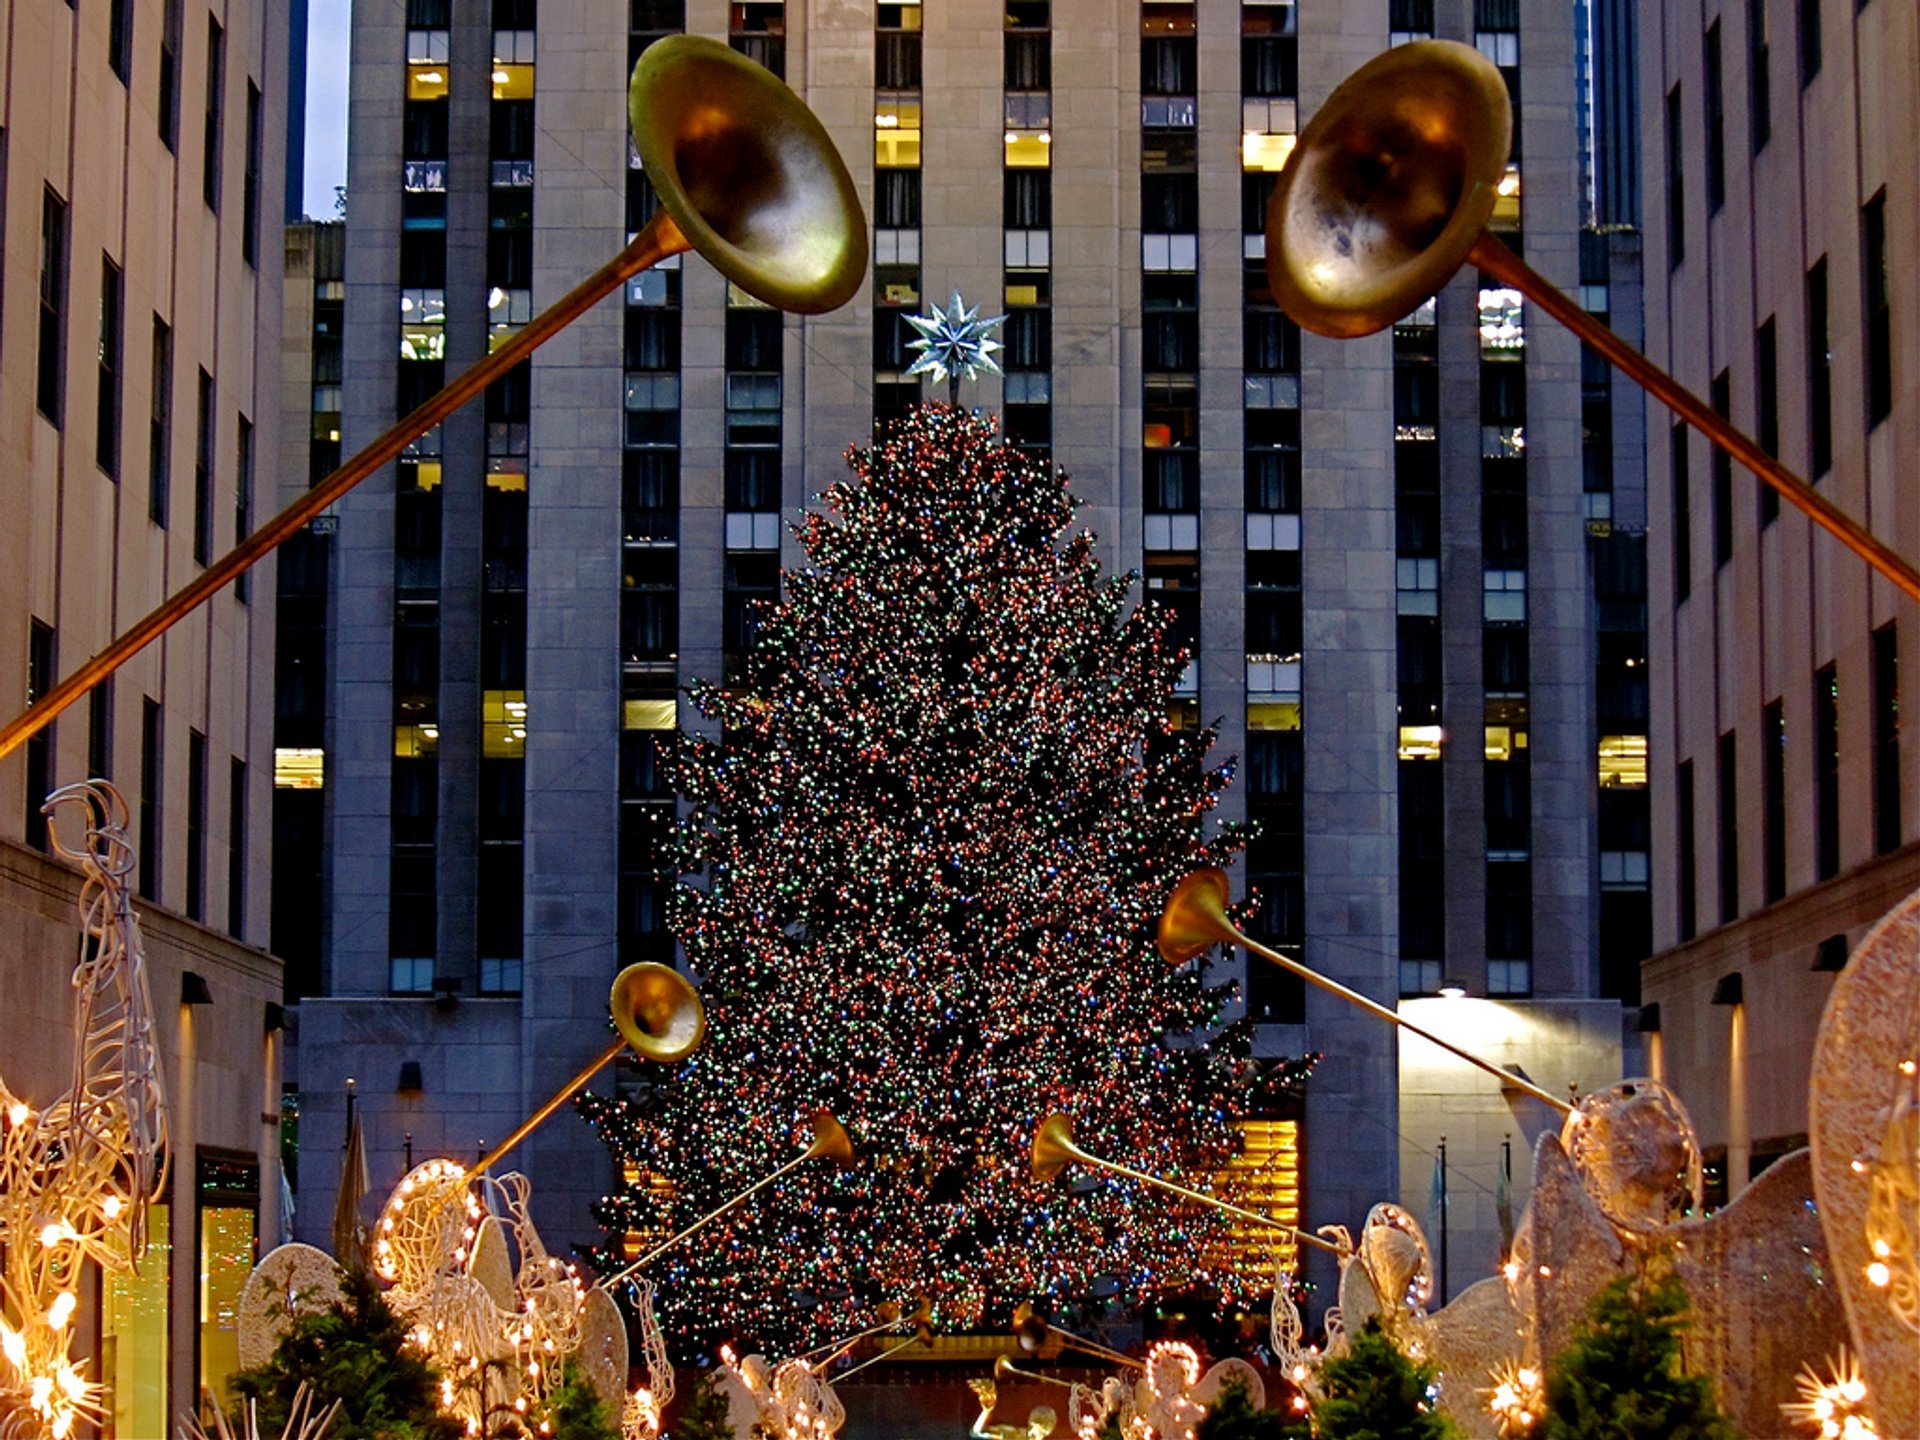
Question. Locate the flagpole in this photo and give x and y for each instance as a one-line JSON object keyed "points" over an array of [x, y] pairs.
{"points": [[1443, 1220]]}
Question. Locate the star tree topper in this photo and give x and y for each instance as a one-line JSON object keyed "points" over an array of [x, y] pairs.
{"points": [[955, 345]]}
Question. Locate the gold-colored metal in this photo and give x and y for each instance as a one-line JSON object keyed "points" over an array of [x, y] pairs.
{"points": [[658, 1014], [1388, 193], [830, 1142], [1004, 1370], [1196, 918], [746, 176], [1032, 1332], [1389, 186], [748, 173], [1054, 1150]]}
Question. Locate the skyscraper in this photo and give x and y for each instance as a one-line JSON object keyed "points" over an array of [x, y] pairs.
{"points": [[1780, 268], [1379, 549], [141, 158]]}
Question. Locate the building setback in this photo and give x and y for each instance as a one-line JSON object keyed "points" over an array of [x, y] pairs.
{"points": [[142, 151], [1781, 283], [1383, 551]]}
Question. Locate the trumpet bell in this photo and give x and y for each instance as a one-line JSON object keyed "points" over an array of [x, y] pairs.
{"points": [[657, 1012], [748, 174], [1053, 1147], [1196, 917], [1031, 1331], [1389, 186], [830, 1140]]}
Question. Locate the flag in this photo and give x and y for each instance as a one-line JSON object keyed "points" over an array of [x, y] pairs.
{"points": [[348, 1236], [1503, 1198], [1437, 1193]]}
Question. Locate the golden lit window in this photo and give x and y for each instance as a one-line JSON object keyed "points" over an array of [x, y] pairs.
{"points": [[1264, 152], [512, 82], [1420, 742], [1029, 149], [1623, 759], [649, 714], [896, 134], [415, 742], [1503, 740], [1274, 715], [426, 82], [503, 724], [1264, 1177], [299, 769], [1506, 202]]}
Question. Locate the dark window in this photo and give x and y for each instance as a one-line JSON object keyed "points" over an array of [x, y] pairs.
{"points": [[1168, 64], [51, 377], [1886, 739], [1170, 203], [1269, 66], [896, 199], [752, 479], [40, 679], [119, 36], [196, 825], [169, 100], [1029, 339], [203, 472], [106, 428], [1722, 395], [1423, 933], [423, 126], [242, 498], [1819, 373], [100, 730], [1716, 124], [753, 340], [250, 185], [1410, 16], [216, 80], [896, 58], [160, 424], [1676, 183], [1509, 910], [1028, 199], [1689, 869], [1826, 773], [1729, 792], [1878, 295], [1491, 16], [1766, 381], [429, 14], [150, 778], [1272, 343], [1809, 40], [1759, 80], [1773, 789], [1682, 517], [1029, 61]]}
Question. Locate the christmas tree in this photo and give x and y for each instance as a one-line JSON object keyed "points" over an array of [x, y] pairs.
{"points": [[1623, 1378], [1373, 1392], [926, 848]]}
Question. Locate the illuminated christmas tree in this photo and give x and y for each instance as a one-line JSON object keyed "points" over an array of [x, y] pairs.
{"points": [[924, 861]]}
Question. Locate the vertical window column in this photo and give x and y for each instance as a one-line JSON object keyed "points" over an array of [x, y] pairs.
{"points": [[1887, 828], [500, 923], [40, 679], [650, 528], [896, 235], [1027, 217], [413, 890]]}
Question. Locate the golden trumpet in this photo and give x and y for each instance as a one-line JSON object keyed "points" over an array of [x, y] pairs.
{"points": [[1004, 1370], [1196, 918], [658, 1015], [830, 1142], [746, 176], [1388, 193], [1032, 1331], [1054, 1150]]}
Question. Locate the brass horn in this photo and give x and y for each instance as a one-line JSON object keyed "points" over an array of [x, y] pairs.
{"points": [[1054, 1150], [1196, 918], [1388, 193], [1032, 1332], [657, 1013], [1004, 1370], [830, 1142], [746, 176]]}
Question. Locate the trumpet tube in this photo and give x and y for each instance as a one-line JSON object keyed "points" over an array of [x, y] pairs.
{"points": [[1508, 268], [1039, 1329], [1388, 193], [830, 1140], [1196, 918], [764, 196], [886, 1352], [1004, 1369], [1053, 1147]]}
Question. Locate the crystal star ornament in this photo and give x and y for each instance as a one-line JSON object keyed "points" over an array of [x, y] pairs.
{"points": [[955, 342]]}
